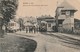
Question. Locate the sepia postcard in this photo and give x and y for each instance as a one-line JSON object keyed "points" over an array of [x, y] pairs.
{"points": [[39, 25]]}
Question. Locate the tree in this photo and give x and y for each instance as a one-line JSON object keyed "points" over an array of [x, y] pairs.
{"points": [[32, 20], [21, 23], [8, 10]]}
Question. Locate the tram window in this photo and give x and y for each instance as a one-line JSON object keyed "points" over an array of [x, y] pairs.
{"points": [[63, 12], [43, 24], [12, 24], [49, 25]]}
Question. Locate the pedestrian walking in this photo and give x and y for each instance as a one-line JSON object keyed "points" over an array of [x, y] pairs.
{"points": [[3, 28]]}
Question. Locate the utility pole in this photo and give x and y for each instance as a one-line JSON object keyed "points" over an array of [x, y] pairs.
{"points": [[56, 18]]}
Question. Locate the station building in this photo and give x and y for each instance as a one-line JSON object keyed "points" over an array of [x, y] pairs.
{"points": [[65, 16]]}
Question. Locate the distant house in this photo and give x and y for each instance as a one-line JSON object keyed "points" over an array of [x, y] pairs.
{"points": [[65, 16], [46, 23]]}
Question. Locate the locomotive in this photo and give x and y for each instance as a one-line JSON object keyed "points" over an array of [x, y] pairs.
{"points": [[43, 27]]}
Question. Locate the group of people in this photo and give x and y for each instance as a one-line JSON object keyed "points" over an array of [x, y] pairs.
{"points": [[32, 29]]}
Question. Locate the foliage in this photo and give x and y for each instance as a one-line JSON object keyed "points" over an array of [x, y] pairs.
{"points": [[21, 23], [8, 9], [31, 20]]}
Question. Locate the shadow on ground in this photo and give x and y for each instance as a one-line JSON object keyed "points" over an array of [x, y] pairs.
{"points": [[12, 43]]}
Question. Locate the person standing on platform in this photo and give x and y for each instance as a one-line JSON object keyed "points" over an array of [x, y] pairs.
{"points": [[26, 30], [4, 28]]}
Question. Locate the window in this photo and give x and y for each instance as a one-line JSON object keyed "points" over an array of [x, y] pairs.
{"points": [[72, 14], [43, 24], [12, 24], [49, 25], [67, 12], [63, 12]]}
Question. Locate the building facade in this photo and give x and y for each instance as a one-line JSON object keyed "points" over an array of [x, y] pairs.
{"points": [[65, 16]]}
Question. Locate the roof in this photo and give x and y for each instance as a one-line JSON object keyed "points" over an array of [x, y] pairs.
{"points": [[76, 20], [66, 6], [45, 18]]}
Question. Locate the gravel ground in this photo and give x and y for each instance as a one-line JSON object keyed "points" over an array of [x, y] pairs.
{"points": [[48, 42]]}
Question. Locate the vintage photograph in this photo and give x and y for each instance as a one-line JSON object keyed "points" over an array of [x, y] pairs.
{"points": [[39, 25]]}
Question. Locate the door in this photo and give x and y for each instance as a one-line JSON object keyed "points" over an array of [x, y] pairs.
{"points": [[49, 27]]}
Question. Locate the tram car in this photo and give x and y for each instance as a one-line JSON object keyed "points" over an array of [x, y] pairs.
{"points": [[43, 27], [12, 26]]}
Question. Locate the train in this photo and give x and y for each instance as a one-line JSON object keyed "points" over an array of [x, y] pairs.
{"points": [[43, 27], [13, 26]]}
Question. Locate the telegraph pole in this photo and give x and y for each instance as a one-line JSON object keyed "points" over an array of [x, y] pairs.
{"points": [[56, 18]]}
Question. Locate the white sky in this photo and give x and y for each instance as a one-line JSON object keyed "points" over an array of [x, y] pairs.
{"points": [[43, 10]]}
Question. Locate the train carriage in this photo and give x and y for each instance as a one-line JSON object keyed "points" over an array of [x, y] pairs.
{"points": [[13, 26]]}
